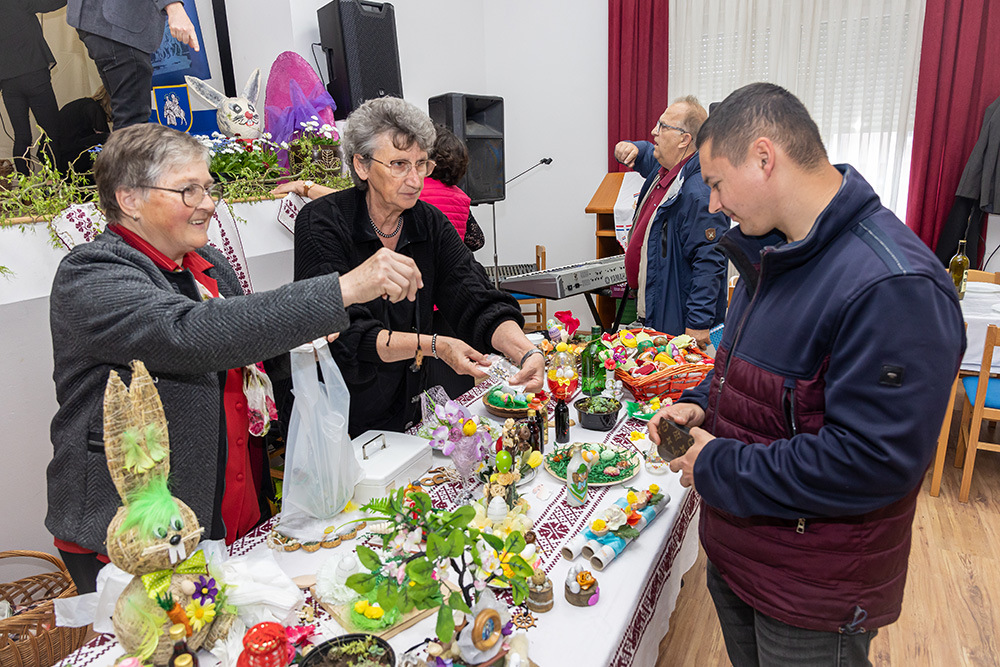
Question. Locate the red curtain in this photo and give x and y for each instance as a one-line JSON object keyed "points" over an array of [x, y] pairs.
{"points": [[637, 70], [959, 77]]}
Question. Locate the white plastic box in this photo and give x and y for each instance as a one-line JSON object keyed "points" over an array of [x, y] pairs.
{"points": [[388, 461]]}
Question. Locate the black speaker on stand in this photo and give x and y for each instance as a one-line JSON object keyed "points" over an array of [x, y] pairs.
{"points": [[478, 121], [362, 56]]}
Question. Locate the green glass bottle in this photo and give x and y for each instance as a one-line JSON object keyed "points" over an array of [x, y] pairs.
{"points": [[592, 382], [959, 269]]}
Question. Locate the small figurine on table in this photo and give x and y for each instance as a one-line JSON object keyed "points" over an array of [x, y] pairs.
{"points": [[539, 593], [581, 587]]}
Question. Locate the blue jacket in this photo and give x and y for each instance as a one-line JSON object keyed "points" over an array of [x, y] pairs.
{"points": [[685, 272], [826, 401]]}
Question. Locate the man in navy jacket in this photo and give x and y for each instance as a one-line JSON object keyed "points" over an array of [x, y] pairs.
{"points": [[672, 258], [815, 430]]}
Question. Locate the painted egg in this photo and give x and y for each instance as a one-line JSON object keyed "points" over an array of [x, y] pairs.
{"points": [[607, 455], [612, 471], [520, 398], [504, 461], [660, 341], [628, 339], [644, 345]]}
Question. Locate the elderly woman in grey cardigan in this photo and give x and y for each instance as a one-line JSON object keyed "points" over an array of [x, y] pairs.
{"points": [[151, 288]]}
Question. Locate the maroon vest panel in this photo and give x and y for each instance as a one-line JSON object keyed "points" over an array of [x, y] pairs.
{"points": [[811, 574]]}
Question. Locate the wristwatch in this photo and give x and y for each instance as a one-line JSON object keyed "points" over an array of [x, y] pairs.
{"points": [[308, 184]]}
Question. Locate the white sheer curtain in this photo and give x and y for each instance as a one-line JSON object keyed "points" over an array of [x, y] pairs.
{"points": [[853, 63]]}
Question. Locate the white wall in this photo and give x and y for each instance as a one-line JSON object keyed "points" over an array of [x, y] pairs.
{"points": [[549, 65]]}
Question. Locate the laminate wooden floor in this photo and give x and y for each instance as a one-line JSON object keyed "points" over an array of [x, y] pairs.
{"points": [[950, 610]]}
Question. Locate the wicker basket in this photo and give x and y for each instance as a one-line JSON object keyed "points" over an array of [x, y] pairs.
{"points": [[670, 382], [31, 638]]}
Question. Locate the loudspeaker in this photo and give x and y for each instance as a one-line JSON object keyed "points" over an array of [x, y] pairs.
{"points": [[359, 39], [478, 121]]}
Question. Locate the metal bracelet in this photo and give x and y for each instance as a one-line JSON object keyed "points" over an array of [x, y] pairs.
{"points": [[527, 354]]}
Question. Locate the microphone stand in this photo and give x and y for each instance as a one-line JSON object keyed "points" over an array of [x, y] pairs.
{"points": [[496, 258]]}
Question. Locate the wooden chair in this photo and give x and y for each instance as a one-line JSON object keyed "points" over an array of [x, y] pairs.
{"points": [[976, 276], [982, 402], [942, 446], [534, 308]]}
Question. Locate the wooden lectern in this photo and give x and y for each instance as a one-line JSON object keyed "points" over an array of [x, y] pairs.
{"points": [[603, 204]]}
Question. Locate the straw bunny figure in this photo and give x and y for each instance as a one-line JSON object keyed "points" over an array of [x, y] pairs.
{"points": [[236, 116], [154, 535]]}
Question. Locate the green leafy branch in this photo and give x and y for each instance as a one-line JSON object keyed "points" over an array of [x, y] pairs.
{"points": [[450, 541]]}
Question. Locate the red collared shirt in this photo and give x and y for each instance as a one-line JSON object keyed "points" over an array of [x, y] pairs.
{"points": [[633, 253]]}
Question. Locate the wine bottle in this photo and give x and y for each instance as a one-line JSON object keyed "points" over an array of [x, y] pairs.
{"points": [[592, 364], [534, 430], [562, 422], [959, 269]]}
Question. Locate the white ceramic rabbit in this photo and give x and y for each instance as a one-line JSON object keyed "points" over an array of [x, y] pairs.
{"points": [[237, 116]]}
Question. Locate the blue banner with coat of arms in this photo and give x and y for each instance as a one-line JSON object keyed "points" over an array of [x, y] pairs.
{"points": [[173, 107]]}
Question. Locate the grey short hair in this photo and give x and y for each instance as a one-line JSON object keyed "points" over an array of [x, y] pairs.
{"points": [[695, 115], [404, 123], [140, 155]]}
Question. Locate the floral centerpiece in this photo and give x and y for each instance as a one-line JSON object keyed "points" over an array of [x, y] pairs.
{"points": [[313, 153], [411, 571], [457, 434]]}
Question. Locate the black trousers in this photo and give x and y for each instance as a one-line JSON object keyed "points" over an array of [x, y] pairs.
{"points": [[31, 91], [83, 569], [127, 74]]}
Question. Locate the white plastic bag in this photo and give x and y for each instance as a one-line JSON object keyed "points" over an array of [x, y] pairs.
{"points": [[321, 469]]}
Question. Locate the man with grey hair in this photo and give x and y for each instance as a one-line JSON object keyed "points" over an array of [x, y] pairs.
{"points": [[671, 259]]}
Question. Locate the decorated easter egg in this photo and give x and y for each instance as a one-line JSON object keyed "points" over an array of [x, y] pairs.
{"points": [[504, 461], [628, 339], [644, 345], [607, 455], [663, 357], [660, 341]]}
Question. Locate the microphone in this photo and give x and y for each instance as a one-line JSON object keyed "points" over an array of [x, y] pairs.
{"points": [[544, 160]]}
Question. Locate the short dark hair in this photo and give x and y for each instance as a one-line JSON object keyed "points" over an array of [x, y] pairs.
{"points": [[450, 155], [763, 110]]}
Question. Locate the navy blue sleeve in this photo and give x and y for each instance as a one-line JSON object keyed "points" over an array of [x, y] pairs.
{"points": [[645, 163], [878, 439], [708, 264]]}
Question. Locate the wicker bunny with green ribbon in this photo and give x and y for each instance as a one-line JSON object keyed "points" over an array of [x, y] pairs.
{"points": [[154, 535]]}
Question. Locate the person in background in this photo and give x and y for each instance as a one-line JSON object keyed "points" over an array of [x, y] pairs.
{"points": [[441, 190], [121, 36], [386, 349], [150, 288], [83, 124], [813, 433], [671, 258], [25, 61]]}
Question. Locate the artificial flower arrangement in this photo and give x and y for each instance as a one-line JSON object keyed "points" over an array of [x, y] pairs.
{"points": [[235, 158], [313, 154], [424, 546]]}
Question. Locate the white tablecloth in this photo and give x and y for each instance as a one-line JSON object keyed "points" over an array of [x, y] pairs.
{"points": [[978, 312], [638, 590]]}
